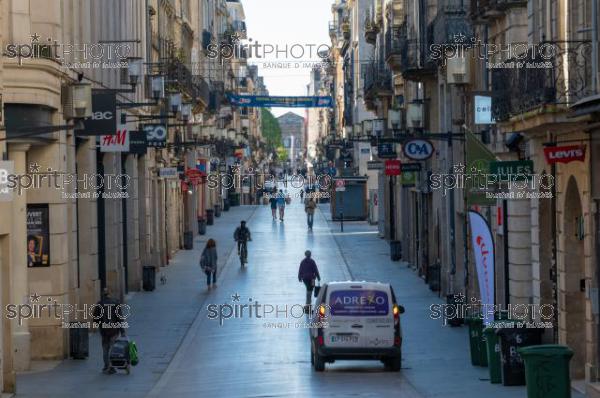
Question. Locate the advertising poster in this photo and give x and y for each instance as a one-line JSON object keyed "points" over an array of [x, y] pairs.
{"points": [[38, 236]]}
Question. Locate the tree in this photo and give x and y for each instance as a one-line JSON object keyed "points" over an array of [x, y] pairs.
{"points": [[271, 130], [282, 154]]}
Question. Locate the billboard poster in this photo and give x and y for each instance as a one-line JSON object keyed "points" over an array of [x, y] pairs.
{"points": [[38, 236]]}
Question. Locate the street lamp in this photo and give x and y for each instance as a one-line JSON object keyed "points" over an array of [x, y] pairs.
{"points": [[358, 131], [378, 128], [231, 134], [81, 95], [414, 115], [186, 112], [175, 102], [158, 87], [134, 70], [368, 127]]}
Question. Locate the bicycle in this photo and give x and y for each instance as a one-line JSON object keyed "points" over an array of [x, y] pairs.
{"points": [[244, 253]]}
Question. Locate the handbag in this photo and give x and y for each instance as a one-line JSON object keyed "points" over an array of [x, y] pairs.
{"points": [[203, 261], [317, 289], [133, 353]]}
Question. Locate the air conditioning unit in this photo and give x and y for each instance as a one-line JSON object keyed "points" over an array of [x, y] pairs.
{"points": [[457, 70]]}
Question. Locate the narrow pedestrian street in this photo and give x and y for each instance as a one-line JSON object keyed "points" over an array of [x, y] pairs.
{"points": [[184, 353]]}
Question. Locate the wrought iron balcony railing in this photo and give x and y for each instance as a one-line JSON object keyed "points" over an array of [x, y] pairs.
{"points": [[378, 80], [451, 23], [481, 9], [394, 38], [180, 78], [416, 62], [552, 73]]}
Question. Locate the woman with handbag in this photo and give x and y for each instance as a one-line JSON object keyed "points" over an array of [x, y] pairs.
{"points": [[208, 262], [307, 273]]}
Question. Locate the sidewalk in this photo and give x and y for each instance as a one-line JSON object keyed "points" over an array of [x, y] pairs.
{"points": [[159, 321], [436, 359]]}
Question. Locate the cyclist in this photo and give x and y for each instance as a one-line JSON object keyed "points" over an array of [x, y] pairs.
{"points": [[242, 235]]}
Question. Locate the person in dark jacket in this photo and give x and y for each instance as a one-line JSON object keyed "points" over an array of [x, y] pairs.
{"points": [[273, 202], [107, 316], [208, 262], [307, 274]]}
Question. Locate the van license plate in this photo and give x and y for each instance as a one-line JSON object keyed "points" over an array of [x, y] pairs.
{"points": [[344, 338]]}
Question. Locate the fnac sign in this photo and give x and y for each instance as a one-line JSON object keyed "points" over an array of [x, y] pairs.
{"points": [[418, 149]]}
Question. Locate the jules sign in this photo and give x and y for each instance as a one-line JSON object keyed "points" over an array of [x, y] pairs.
{"points": [[7, 168]]}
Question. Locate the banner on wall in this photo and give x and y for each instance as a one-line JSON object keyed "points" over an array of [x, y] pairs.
{"points": [[264, 101], [38, 236], [483, 248]]}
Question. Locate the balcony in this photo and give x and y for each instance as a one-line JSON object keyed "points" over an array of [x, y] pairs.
{"points": [[487, 9], [378, 81], [217, 96], [415, 62], [180, 78], [333, 29], [240, 28], [371, 30], [551, 80], [393, 47], [206, 39], [451, 24]]}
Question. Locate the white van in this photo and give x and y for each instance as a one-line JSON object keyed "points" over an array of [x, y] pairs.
{"points": [[356, 320]]}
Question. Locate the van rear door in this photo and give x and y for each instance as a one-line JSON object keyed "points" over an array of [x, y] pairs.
{"points": [[359, 317]]}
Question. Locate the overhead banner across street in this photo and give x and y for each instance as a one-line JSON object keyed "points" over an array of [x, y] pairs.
{"points": [[264, 101]]}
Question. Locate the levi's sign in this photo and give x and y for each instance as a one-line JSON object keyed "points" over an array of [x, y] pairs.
{"points": [[564, 154], [418, 149]]}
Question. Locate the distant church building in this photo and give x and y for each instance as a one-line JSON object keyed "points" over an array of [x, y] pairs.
{"points": [[292, 134]]}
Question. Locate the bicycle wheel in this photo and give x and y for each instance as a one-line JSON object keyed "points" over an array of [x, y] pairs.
{"points": [[244, 254]]}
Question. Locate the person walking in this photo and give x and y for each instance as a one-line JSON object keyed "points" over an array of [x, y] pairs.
{"points": [[108, 319], [273, 202], [281, 204], [307, 273], [208, 262], [302, 194], [309, 208]]}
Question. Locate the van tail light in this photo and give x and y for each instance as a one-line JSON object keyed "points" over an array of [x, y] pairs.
{"points": [[320, 340], [396, 312], [397, 341], [321, 312]]}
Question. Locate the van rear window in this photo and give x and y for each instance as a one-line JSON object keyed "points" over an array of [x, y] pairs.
{"points": [[359, 303]]}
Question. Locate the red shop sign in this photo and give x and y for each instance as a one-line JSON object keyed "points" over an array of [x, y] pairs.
{"points": [[393, 167], [564, 154]]}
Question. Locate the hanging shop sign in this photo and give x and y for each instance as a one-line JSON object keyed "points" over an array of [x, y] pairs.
{"points": [[115, 143], [483, 110], [418, 149], [168, 172], [104, 116], [511, 168], [138, 142], [565, 154], [38, 236], [375, 165], [7, 168], [411, 167], [408, 179], [264, 101], [156, 135], [387, 150], [393, 167]]}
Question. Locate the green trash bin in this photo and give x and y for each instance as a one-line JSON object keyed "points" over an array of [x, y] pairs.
{"points": [[493, 355], [476, 341], [547, 370]]}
